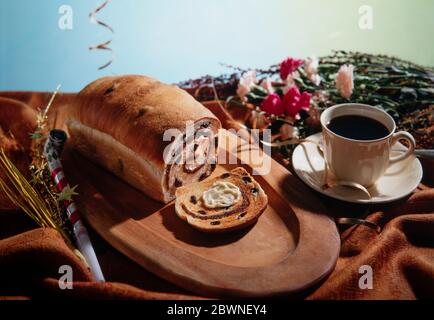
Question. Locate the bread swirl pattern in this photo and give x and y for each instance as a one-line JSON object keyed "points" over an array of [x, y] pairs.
{"points": [[190, 204]]}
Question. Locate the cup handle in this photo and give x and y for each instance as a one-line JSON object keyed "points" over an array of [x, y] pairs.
{"points": [[412, 145]]}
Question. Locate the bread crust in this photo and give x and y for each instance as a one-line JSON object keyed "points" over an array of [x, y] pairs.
{"points": [[116, 158]]}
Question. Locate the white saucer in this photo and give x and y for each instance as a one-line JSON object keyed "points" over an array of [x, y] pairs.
{"points": [[399, 180]]}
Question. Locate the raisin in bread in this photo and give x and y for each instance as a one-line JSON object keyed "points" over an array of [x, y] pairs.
{"points": [[230, 201]]}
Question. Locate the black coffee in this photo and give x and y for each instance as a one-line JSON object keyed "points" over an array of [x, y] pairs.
{"points": [[358, 127]]}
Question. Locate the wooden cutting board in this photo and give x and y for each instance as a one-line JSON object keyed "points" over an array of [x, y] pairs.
{"points": [[293, 245]]}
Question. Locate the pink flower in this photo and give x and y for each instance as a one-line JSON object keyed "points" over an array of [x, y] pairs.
{"points": [[288, 66], [272, 104], [344, 80], [266, 84], [311, 69], [315, 79], [311, 65], [294, 101], [247, 80]]}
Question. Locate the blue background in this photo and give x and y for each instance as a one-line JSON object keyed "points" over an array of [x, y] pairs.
{"points": [[175, 40]]}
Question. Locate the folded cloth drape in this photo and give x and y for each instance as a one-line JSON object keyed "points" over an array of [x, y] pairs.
{"points": [[401, 257]]}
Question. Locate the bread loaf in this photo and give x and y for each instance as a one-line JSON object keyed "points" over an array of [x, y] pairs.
{"points": [[119, 123], [231, 201]]}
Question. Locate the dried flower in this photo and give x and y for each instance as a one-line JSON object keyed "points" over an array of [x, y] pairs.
{"points": [[247, 80], [288, 66], [344, 80], [28, 198]]}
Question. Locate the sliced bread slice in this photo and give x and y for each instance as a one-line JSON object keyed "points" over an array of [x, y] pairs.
{"points": [[228, 202]]}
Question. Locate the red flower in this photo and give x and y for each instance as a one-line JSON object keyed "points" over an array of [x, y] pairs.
{"points": [[294, 101], [305, 101], [272, 104], [290, 101], [288, 66]]}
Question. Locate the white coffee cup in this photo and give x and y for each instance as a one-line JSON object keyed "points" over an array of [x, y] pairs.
{"points": [[361, 161]]}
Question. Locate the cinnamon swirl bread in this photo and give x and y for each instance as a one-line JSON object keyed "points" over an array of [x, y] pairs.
{"points": [[136, 127], [231, 201]]}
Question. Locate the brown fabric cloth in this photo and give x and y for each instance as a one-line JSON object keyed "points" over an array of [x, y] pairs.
{"points": [[401, 256]]}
